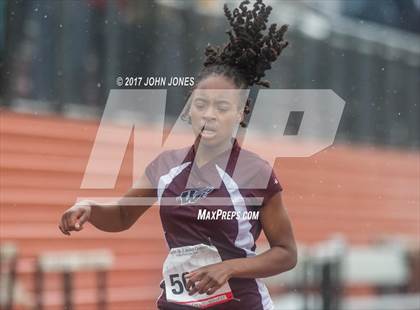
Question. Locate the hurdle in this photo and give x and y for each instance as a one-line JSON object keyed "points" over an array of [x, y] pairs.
{"points": [[8, 260], [67, 263]]}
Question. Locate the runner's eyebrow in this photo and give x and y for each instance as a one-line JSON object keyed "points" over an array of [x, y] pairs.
{"points": [[223, 101], [200, 99]]}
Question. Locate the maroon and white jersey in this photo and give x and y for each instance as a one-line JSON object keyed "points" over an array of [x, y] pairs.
{"points": [[190, 197]]}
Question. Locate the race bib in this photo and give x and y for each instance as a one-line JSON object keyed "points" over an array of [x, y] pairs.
{"points": [[185, 259]]}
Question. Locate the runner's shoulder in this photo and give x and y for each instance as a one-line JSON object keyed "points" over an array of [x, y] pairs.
{"points": [[252, 162], [173, 157]]}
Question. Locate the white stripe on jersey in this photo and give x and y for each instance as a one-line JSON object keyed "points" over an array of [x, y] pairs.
{"points": [[166, 179], [244, 239], [266, 301]]}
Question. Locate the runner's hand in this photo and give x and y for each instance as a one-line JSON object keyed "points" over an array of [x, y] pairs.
{"points": [[208, 279], [74, 217]]}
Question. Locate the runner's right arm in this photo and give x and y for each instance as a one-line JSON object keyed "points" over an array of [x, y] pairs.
{"points": [[110, 218]]}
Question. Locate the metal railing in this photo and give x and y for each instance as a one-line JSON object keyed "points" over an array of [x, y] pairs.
{"points": [[65, 54]]}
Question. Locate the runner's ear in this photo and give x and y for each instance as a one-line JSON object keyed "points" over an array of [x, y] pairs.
{"points": [[240, 116]]}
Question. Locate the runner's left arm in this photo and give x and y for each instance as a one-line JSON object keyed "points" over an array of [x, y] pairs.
{"points": [[282, 255]]}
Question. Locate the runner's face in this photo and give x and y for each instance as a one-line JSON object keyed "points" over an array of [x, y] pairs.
{"points": [[215, 110]]}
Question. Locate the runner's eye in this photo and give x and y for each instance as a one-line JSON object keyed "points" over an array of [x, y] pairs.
{"points": [[223, 107], [199, 104]]}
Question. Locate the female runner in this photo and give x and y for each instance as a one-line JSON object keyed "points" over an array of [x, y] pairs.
{"points": [[212, 260]]}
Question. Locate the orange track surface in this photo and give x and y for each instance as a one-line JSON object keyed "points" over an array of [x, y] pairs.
{"points": [[361, 192]]}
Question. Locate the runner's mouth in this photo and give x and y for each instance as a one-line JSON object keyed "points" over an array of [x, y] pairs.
{"points": [[208, 131]]}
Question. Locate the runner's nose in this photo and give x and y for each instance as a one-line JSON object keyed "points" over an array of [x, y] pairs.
{"points": [[209, 113]]}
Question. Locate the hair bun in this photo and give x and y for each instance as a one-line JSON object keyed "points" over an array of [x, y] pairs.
{"points": [[249, 51]]}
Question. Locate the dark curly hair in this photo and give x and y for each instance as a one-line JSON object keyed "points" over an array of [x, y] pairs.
{"points": [[248, 53]]}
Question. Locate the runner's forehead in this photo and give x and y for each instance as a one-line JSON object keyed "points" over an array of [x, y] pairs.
{"points": [[218, 94]]}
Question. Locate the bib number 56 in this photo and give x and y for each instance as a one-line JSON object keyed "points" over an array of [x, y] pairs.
{"points": [[178, 282]]}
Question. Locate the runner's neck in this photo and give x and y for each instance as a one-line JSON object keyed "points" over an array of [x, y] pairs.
{"points": [[205, 154]]}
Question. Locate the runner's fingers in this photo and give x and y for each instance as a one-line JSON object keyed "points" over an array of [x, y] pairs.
{"points": [[84, 218], [204, 285], [79, 222], [197, 282], [64, 221], [73, 219], [191, 288], [69, 226], [212, 290], [61, 224], [63, 231], [191, 274], [195, 277], [190, 285]]}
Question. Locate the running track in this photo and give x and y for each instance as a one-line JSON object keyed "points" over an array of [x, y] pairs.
{"points": [[360, 191]]}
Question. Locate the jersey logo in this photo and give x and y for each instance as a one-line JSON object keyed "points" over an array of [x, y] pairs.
{"points": [[193, 195]]}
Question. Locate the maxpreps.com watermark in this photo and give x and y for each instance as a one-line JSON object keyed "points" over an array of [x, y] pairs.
{"points": [[204, 214]]}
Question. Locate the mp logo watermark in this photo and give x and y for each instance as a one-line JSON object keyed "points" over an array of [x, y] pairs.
{"points": [[283, 123]]}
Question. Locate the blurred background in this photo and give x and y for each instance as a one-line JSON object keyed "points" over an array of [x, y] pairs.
{"points": [[355, 206]]}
